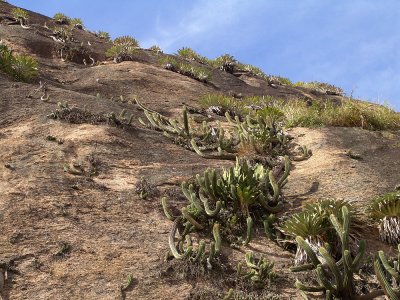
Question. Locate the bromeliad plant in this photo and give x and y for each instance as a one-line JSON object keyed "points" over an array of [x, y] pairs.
{"points": [[123, 49], [314, 226], [386, 209], [237, 199], [20, 67]]}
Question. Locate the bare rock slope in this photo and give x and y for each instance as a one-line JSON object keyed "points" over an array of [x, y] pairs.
{"points": [[79, 236]]}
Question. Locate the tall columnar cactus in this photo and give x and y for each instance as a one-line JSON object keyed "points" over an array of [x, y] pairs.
{"points": [[335, 278], [388, 275]]}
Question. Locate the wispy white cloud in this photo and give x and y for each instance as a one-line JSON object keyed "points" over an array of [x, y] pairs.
{"points": [[204, 18]]}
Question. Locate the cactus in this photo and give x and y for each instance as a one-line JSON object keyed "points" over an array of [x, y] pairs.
{"points": [[335, 278], [259, 271], [305, 154], [166, 209], [384, 271], [249, 231], [172, 245]]}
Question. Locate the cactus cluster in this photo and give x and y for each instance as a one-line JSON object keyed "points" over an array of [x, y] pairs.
{"points": [[232, 200], [20, 16], [386, 209], [195, 138], [182, 246], [262, 134], [259, 271], [76, 115]]}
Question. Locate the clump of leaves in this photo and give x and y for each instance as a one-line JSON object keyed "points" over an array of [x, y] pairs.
{"points": [[123, 49], [21, 67], [386, 209], [190, 54], [77, 22]]}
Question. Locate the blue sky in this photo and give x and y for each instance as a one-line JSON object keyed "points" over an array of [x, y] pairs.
{"points": [[352, 44]]}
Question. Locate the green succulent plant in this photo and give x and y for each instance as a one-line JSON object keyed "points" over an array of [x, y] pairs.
{"points": [[386, 209], [156, 49], [127, 41]]}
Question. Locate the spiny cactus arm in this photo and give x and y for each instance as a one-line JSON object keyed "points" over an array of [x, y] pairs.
{"points": [[211, 255], [200, 251], [191, 196], [249, 231], [186, 121], [217, 237], [151, 119], [386, 286], [249, 258], [171, 242], [230, 295], [307, 288], [167, 211], [395, 274], [210, 212], [218, 156], [275, 187], [342, 229], [230, 120], [332, 266], [282, 181], [189, 217], [271, 209], [269, 226], [325, 281], [302, 268], [360, 255], [310, 253]]}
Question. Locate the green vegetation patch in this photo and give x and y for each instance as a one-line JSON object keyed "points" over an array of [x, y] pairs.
{"points": [[20, 67]]}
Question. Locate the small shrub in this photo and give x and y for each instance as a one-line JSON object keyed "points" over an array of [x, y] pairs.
{"points": [[190, 54], [127, 41]]}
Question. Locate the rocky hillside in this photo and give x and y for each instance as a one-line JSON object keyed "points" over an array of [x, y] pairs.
{"points": [[80, 197]]}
